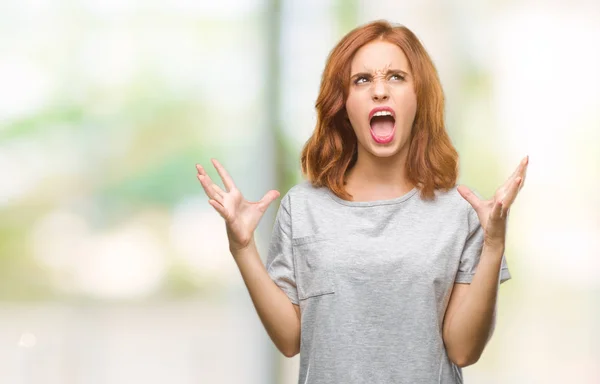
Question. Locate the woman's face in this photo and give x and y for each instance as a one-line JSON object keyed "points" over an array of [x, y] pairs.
{"points": [[381, 102]]}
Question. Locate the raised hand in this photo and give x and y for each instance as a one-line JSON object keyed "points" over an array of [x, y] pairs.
{"points": [[493, 213], [241, 216]]}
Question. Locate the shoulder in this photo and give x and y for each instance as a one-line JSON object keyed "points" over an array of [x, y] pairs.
{"points": [[304, 187], [305, 193], [452, 203], [464, 208], [309, 208], [450, 198], [297, 199]]}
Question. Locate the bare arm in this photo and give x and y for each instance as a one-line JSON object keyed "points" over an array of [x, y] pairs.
{"points": [[279, 316], [471, 313], [470, 316]]}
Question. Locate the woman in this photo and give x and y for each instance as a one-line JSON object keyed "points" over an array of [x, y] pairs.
{"points": [[380, 268]]}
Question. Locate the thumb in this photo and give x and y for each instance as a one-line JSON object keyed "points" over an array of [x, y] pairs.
{"points": [[267, 199], [471, 197]]}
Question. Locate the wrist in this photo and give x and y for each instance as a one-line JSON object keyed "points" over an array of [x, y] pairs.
{"points": [[494, 243], [239, 251], [493, 248]]}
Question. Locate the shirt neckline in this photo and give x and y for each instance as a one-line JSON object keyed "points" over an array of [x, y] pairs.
{"points": [[372, 203]]}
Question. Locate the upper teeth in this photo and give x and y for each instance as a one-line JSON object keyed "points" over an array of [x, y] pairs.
{"points": [[383, 113]]}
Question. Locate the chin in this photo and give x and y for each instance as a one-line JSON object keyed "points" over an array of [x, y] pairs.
{"points": [[384, 153], [388, 150]]}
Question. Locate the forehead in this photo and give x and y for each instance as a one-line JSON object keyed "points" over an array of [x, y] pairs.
{"points": [[378, 55]]}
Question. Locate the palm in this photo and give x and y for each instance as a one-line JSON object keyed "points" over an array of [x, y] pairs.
{"points": [[493, 213], [241, 216]]}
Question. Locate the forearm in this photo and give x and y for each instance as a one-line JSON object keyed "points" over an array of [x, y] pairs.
{"points": [[274, 308], [471, 326]]}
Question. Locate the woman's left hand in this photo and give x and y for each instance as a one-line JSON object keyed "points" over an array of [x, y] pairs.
{"points": [[493, 213]]}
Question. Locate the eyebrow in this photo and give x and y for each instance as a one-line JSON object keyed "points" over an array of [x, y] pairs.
{"points": [[404, 73]]}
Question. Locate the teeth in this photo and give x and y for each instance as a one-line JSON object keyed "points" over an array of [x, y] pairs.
{"points": [[382, 113]]}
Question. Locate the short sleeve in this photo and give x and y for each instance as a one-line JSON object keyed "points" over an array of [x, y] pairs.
{"points": [[472, 251], [280, 261]]}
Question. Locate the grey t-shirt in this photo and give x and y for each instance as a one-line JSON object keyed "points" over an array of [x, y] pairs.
{"points": [[373, 280]]}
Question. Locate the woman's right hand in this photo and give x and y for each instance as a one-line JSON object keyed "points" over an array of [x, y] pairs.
{"points": [[241, 216]]}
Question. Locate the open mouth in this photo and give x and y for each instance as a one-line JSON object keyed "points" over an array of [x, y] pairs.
{"points": [[383, 126]]}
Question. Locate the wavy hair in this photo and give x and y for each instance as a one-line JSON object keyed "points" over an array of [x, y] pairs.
{"points": [[331, 151]]}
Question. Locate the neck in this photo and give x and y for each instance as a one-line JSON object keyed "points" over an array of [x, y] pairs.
{"points": [[378, 178]]}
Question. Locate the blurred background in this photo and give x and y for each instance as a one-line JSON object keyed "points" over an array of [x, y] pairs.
{"points": [[115, 269]]}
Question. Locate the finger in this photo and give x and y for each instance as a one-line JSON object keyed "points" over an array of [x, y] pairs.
{"points": [[214, 186], [517, 172], [227, 181], [520, 167], [219, 208], [511, 195], [524, 176], [201, 170], [218, 189], [471, 197], [218, 196], [267, 199], [207, 186], [496, 210]]}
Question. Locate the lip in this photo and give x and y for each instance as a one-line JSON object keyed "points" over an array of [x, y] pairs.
{"points": [[379, 109]]}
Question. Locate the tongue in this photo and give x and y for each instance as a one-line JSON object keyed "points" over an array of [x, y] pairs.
{"points": [[382, 126]]}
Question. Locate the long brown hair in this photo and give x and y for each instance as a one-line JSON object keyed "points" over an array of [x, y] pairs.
{"points": [[332, 149]]}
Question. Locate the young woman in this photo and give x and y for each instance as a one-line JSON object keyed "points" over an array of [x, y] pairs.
{"points": [[380, 268]]}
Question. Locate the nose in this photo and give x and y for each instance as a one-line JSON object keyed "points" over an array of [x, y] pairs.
{"points": [[380, 91]]}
